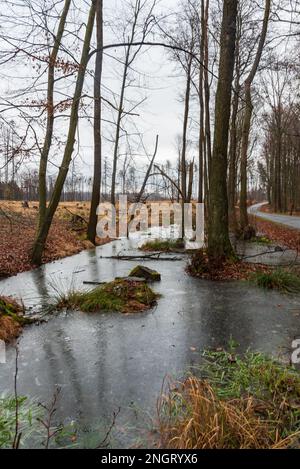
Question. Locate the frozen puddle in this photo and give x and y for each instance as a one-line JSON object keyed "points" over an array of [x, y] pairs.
{"points": [[106, 361]]}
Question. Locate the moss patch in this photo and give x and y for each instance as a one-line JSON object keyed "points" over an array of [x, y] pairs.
{"points": [[167, 245], [123, 296], [264, 240]]}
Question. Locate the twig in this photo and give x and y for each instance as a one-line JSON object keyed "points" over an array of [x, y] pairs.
{"points": [[103, 443], [17, 437], [47, 423], [264, 253]]}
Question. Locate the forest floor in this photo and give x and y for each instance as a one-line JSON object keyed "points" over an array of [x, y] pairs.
{"points": [[17, 230], [67, 235], [284, 235]]}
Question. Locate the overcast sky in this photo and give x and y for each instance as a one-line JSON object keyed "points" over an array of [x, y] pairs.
{"points": [[163, 87], [162, 111]]}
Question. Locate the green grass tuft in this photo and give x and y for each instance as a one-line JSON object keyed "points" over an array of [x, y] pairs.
{"points": [[278, 279], [253, 373]]}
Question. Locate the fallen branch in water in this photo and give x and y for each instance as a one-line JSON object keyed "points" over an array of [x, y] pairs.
{"points": [[128, 279], [87, 282], [150, 257], [275, 251]]}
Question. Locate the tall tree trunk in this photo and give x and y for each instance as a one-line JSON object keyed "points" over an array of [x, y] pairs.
{"points": [[43, 230], [232, 173], [201, 103], [185, 127], [207, 96], [244, 156], [92, 226], [219, 245], [50, 114], [190, 184], [247, 117], [233, 145]]}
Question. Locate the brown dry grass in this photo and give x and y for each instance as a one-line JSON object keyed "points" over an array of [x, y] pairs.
{"points": [[9, 328], [11, 318], [204, 421]]}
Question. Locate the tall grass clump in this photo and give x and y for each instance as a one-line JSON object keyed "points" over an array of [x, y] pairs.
{"points": [[28, 412], [278, 279], [232, 402]]}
